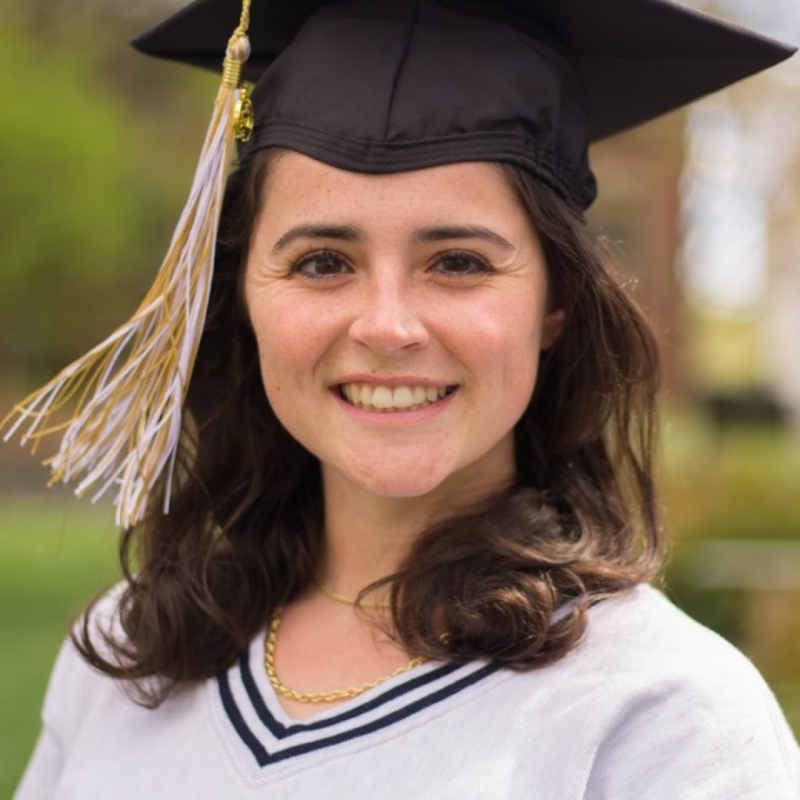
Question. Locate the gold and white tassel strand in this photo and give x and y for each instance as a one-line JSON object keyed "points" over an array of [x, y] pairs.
{"points": [[128, 392]]}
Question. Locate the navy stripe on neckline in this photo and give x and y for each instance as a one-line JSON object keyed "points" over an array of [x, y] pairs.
{"points": [[280, 731], [237, 720], [264, 757]]}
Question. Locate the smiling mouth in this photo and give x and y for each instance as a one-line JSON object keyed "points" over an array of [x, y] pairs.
{"points": [[392, 398]]}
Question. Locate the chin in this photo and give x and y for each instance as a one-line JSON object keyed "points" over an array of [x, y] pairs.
{"points": [[400, 489], [399, 486]]}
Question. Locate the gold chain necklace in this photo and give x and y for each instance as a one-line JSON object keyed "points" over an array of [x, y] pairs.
{"points": [[317, 697], [339, 598]]}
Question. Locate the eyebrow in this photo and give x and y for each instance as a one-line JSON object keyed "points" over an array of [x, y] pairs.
{"points": [[448, 232], [349, 233], [342, 233]]}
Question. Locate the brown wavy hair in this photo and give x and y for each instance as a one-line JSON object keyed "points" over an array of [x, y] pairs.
{"points": [[245, 527]]}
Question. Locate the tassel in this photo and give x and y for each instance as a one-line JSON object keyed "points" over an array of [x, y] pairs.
{"points": [[128, 392]]}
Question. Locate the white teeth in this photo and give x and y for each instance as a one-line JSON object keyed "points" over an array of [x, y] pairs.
{"points": [[387, 399], [381, 397], [403, 397]]}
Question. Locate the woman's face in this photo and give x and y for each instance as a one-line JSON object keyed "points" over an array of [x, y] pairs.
{"points": [[399, 320]]}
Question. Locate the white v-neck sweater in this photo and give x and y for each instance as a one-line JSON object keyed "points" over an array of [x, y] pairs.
{"points": [[650, 705]]}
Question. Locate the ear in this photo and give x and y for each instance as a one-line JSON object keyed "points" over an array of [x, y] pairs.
{"points": [[553, 326]]}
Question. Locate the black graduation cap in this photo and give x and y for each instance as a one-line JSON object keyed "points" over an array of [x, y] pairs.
{"points": [[392, 85]]}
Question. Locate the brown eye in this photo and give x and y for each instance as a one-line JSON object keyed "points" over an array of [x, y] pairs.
{"points": [[461, 265], [321, 265]]}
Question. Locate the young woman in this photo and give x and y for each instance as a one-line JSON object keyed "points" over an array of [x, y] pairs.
{"points": [[413, 520]]}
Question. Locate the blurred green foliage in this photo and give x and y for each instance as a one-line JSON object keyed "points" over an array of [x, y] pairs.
{"points": [[66, 166], [90, 187], [70, 203], [730, 482]]}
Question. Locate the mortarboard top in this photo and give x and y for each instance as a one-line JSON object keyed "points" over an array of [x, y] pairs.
{"points": [[391, 85]]}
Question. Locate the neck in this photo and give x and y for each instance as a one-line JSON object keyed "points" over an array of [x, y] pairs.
{"points": [[367, 536]]}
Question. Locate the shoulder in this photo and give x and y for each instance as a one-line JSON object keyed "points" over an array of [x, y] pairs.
{"points": [[639, 646], [678, 700], [74, 685], [640, 632], [647, 649]]}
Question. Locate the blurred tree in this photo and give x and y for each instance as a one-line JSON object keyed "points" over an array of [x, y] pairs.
{"points": [[68, 194], [92, 180], [638, 173]]}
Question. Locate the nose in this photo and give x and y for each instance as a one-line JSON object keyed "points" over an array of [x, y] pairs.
{"points": [[388, 319]]}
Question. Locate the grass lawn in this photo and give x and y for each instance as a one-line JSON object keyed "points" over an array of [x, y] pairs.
{"points": [[54, 555]]}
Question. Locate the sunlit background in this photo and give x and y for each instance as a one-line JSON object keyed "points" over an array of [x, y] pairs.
{"points": [[97, 148]]}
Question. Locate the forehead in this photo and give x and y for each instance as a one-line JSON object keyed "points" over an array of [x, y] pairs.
{"points": [[477, 192]]}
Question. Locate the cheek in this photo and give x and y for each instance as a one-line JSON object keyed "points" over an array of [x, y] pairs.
{"points": [[505, 347], [520, 368], [282, 352], [293, 337]]}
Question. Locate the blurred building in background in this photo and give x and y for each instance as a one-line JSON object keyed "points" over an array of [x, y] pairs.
{"points": [[782, 302], [704, 208]]}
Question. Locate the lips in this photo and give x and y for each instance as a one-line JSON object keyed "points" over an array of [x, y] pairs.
{"points": [[392, 398]]}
